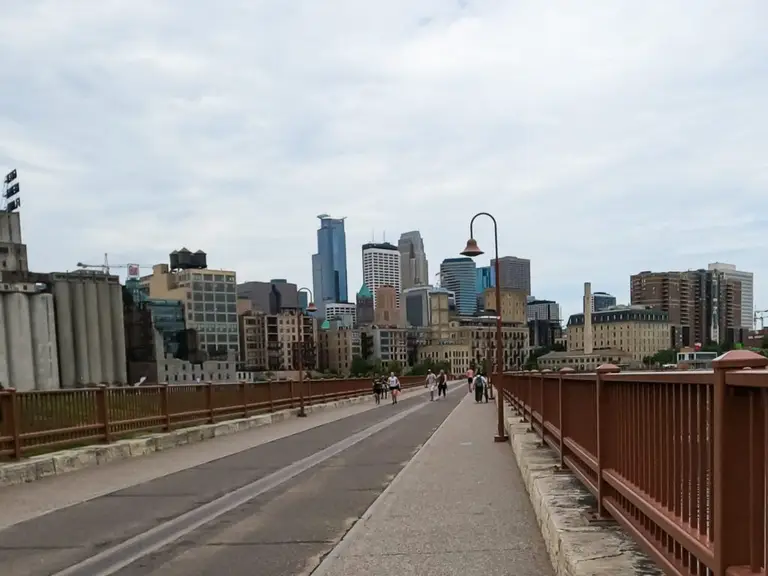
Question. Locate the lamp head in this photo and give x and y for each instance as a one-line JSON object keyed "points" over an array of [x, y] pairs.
{"points": [[472, 249]]}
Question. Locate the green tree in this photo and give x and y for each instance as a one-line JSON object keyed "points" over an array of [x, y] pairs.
{"points": [[662, 357], [395, 366], [359, 367]]}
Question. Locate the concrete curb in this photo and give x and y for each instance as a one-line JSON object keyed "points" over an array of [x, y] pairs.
{"points": [[65, 461], [561, 504]]}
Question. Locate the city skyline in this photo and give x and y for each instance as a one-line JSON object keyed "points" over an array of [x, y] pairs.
{"points": [[405, 131]]}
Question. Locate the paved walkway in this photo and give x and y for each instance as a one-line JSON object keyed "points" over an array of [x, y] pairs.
{"points": [[458, 508]]}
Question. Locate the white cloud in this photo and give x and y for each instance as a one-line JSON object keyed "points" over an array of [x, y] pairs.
{"points": [[607, 137]]}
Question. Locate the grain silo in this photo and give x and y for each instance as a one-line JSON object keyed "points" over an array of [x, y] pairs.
{"points": [[89, 317], [28, 351]]}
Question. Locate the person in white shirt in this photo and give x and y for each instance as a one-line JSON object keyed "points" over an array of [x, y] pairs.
{"points": [[431, 384], [394, 386]]}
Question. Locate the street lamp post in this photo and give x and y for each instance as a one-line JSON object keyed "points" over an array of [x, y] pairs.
{"points": [[473, 250], [310, 308]]}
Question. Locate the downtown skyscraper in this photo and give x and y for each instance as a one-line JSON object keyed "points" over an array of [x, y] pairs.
{"points": [[414, 268], [329, 265]]}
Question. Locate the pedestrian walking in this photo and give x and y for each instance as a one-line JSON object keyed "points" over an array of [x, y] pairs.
{"points": [[377, 389], [431, 384], [478, 384], [442, 384], [470, 377], [394, 387], [384, 387]]}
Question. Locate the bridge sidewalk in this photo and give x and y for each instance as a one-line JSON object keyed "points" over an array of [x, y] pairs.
{"points": [[459, 507]]}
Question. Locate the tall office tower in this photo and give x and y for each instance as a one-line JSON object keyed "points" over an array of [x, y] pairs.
{"points": [[602, 301], [747, 280], [381, 267], [329, 265], [414, 268], [460, 277], [514, 273]]}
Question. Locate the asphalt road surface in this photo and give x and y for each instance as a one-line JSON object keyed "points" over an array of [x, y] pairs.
{"points": [[273, 510]]}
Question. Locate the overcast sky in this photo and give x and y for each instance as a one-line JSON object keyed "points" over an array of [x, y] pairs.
{"points": [[607, 137]]}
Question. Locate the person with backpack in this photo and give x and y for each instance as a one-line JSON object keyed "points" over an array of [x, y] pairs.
{"points": [[479, 385], [442, 384], [394, 386], [431, 383]]}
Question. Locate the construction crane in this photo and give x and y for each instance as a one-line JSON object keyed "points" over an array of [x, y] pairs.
{"points": [[133, 269], [761, 316]]}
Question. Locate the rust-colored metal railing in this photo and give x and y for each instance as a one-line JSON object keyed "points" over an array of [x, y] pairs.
{"points": [[42, 421], [677, 458]]}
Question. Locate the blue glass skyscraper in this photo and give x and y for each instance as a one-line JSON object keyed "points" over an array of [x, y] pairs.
{"points": [[486, 278], [459, 275], [329, 265]]}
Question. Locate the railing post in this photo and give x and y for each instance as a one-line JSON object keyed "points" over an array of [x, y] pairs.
{"points": [[524, 393], [309, 392], [730, 485], [165, 406], [271, 396], [542, 411], [564, 370], [530, 399], [14, 421], [102, 409], [601, 419], [209, 401]]}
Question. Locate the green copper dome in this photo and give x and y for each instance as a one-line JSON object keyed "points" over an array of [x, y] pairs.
{"points": [[365, 292], [325, 325]]}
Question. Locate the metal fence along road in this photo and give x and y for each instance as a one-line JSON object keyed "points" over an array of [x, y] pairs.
{"points": [[677, 458], [42, 421]]}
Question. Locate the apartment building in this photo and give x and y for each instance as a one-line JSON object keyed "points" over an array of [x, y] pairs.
{"points": [[636, 330], [703, 306], [747, 282], [253, 344], [271, 341], [389, 343], [209, 297], [335, 346]]}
